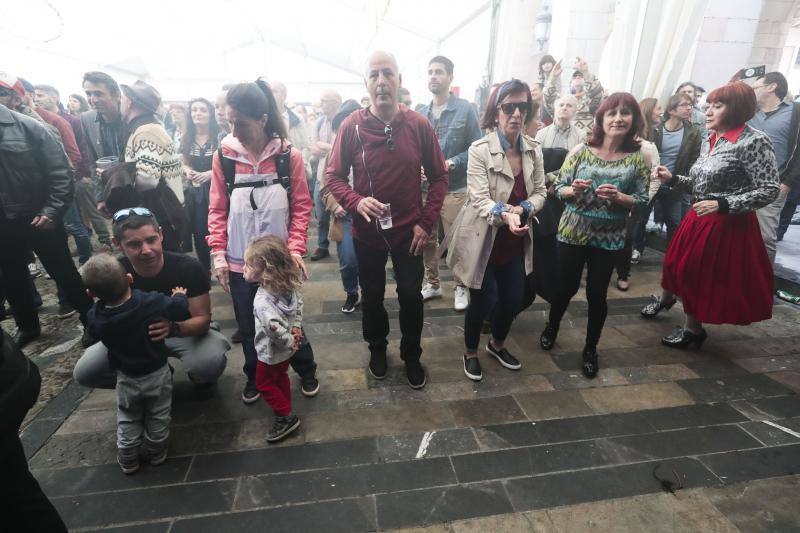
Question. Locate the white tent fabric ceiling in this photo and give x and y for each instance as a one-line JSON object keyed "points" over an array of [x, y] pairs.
{"points": [[187, 48]]}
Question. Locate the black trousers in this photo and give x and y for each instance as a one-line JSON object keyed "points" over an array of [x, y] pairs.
{"points": [[23, 505], [408, 273], [17, 238], [600, 265]]}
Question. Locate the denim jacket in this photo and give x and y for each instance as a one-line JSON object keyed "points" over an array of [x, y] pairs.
{"points": [[456, 129]]}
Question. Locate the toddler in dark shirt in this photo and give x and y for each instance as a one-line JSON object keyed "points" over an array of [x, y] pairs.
{"points": [[120, 319]]}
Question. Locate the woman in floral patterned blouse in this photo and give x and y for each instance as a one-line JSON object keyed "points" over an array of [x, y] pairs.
{"points": [[717, 263], [600, 181]]}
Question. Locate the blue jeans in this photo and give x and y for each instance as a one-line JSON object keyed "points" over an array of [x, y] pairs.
{"points": [[74, 226], [323, 219], [501, 292], [672, 207], [243, 294], [348, 264]]}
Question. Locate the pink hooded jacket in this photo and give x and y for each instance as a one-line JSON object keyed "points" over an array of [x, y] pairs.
{"points": [[233, 223]]}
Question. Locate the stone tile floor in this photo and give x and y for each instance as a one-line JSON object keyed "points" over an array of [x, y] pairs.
{"points": [[541, 449]]}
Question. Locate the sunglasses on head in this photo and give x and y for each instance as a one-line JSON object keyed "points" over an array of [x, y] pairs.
{"points": [[122, 214], [509, 107]]}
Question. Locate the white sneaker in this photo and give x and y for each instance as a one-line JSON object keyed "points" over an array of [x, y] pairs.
{"points": [[461, 300], [635, 256], [429, 292]]}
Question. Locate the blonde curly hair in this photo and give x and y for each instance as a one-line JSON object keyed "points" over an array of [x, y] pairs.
{"points": [[270, 257]]}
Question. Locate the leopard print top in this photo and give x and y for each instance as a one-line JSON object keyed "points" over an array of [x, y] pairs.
{"points": [[744, 173]]}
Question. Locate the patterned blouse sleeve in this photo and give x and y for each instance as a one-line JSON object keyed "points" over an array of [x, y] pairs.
{"points": [[640, 183], [567, 172], [758, 160]]}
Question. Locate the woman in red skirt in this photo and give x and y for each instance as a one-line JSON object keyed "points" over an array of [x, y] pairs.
{"points": [[717, 263]]}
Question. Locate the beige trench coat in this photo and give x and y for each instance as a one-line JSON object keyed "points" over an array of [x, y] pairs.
{"points": [[489, 181]]}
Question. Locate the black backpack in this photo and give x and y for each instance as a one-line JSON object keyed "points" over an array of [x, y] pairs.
{"points": [[282, 167]]}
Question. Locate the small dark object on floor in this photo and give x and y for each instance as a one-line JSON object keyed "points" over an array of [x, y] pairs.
{"points": [[667, 485]]}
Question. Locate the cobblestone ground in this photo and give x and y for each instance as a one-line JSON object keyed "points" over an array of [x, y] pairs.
{"points": [[541, 449]]}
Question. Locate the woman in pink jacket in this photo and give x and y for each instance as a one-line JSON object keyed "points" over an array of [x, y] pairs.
{"points": [[258, 188]]}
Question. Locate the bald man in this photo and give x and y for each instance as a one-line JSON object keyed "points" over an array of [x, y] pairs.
{"points": [[321, 142], [383, 146]]}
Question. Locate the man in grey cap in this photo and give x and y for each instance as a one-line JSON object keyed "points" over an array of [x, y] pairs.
{"points": [[158, 170]]}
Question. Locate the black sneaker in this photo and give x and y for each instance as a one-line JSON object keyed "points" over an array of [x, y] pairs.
{"points": [[472, 368], [283, 427], [309, 386], [23, 338], [351, 303], [503, 357], [377, 365], [65, 310], [320, 253], [415, 374], [250, 393], [236, 338]]}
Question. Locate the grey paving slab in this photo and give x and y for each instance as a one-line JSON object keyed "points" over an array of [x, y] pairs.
{"points": [[104, 478], [343, 516], [432, 506], [738, 466], [687, 442], [283, 459], [153, 527], [694, 415], [429, 444], [772, 436], [733, 388], [601, 484], [145, 504], [562, 430], [338, 483], [764, 506]]}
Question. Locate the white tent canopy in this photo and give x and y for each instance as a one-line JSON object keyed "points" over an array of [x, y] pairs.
{"points": [[188, 49]]}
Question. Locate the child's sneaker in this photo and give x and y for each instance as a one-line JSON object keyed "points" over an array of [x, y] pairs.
{"points": [[128, 460], [156, 452], [283, 427]]}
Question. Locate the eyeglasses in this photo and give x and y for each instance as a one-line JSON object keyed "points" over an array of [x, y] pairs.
{"points": [[509, 107], [390, 141], [4, 91], [685, 104], [122, 214], [754, 87]]}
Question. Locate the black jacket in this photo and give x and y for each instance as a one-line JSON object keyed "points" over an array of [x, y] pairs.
{"points": [[790, 171], [124, 330], [35, 174], [689, 150]]}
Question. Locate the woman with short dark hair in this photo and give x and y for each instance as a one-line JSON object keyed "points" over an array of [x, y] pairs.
{"points": [[600, 181], [249, 198], [717, 263], [491, 238]]}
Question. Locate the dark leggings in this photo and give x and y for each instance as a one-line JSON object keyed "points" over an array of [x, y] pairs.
{"points": [[600, 265], [509, 280]]}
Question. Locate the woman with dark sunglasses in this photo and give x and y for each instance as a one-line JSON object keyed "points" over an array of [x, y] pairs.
{"points": [[490, 240], [600, 181]]}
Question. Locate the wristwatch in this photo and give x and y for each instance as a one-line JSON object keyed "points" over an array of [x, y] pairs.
{"points": [[174, 329]]}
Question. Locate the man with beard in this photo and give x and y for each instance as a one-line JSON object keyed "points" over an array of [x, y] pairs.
{"points": [[456, 125]]}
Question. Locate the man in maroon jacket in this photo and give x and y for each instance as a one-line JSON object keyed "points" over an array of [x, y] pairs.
{"points": [[385, 145]]}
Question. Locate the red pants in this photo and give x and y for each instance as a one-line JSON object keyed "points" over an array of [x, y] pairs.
{"points": [[272, 381]]}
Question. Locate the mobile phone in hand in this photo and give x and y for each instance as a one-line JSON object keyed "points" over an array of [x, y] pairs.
{"points": [[753, 72]]}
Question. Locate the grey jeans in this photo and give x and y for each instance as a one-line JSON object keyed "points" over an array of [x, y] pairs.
{"points": [[204, 357], [143, 408], [769, 217]]}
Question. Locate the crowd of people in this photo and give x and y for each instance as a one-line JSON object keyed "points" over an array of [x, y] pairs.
{"points": [[519, 197]]}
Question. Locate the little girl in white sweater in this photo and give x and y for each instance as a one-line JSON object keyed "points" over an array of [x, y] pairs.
{"points": [[278, 309]]}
